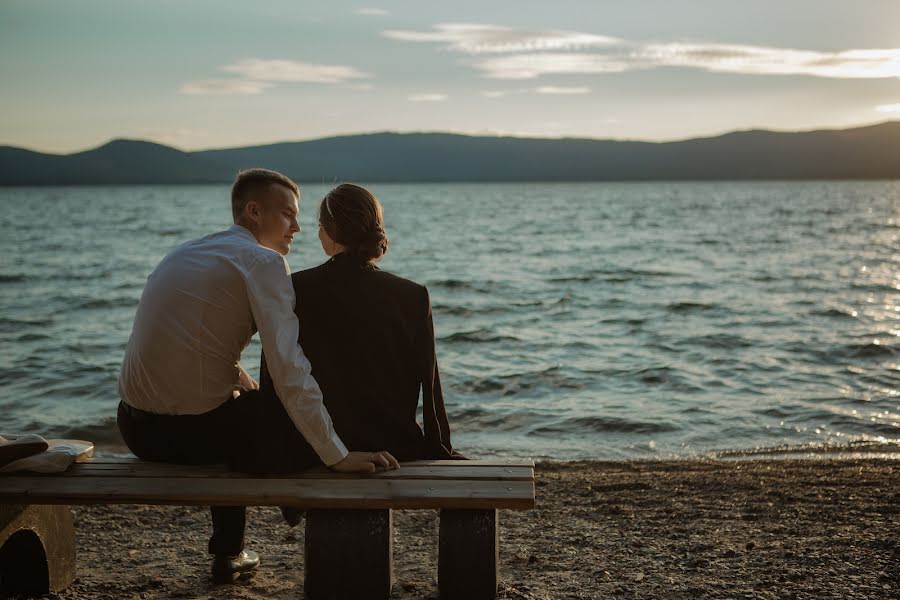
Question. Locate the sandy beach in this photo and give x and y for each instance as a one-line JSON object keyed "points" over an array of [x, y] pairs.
{"points": [[823, 528]]}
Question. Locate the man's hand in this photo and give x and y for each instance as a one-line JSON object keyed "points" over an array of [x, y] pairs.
{"points": [[366, 462], [246, 381]]}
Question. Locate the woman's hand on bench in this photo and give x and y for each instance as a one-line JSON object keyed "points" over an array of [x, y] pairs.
{"points": [[366, 462]]}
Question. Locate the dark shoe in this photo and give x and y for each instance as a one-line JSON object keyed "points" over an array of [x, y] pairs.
{"points": [[226, 569], [292, 516]]}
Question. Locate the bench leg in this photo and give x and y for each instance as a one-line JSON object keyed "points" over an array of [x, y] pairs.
{"points": [[468, 554], [348, 554], [37, 549]]}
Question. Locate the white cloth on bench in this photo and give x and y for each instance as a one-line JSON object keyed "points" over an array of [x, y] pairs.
{"points": [[55, 459]]}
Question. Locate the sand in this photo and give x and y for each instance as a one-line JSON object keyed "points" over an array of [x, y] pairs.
{"points": [[669, 529]]}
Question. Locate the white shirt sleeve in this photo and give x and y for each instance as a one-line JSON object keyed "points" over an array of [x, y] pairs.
{"points": [[272, 300]]}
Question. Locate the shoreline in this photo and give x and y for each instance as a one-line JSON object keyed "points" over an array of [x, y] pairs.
{"points": [[856, 450], [769, 528]]}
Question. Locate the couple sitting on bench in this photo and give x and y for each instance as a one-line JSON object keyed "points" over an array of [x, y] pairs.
{"points": [[346, 349]]}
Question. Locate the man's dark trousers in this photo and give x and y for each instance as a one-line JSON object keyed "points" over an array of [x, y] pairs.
{"points": [[208, 438]]}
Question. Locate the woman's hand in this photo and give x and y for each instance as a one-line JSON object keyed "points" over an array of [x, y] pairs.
{"points": [[246, 381], [366, 462]]}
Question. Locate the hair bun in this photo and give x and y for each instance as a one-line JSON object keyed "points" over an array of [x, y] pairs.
{"points": [[352, 216]]}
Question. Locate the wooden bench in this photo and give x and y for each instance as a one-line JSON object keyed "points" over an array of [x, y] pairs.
{"points": [[348, 519]]}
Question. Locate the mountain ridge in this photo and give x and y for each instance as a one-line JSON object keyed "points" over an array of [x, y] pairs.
{"points": [[867, 152]]}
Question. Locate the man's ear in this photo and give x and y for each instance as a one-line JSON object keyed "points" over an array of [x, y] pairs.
{"points": [[252, 211]]}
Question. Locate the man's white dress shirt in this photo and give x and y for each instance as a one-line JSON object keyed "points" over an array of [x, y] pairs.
{"points": [[198, 311]]}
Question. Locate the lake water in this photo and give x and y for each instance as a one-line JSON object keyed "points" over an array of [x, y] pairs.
{"points": [[596, 320]]}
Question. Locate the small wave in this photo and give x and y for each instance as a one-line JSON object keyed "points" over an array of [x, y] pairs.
{"points": [[459, 284], [474, 419], [86, 276], [572, 279], [603, 425], [655, 375], [890, 448], [11, 325], [875, 288], [13, 277], [686, 307], [840, 313], [95, 303], [514, 384], [725, 341], [467, 311], [870, 350], [171, 231], [477, 336], [31, 337], [778, 412]]}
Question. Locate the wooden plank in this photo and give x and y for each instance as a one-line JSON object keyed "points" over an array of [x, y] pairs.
{"points": [[307, 494], [456, 472], [473, 463], [413, 463]]}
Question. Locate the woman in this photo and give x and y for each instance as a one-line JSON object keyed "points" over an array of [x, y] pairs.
{"points": [[369, 337]]}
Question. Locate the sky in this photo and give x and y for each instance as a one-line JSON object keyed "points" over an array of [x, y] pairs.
{"points": [[199, 74]]}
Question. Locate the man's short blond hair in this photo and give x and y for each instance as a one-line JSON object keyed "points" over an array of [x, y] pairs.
{"points": [[250, 182]]}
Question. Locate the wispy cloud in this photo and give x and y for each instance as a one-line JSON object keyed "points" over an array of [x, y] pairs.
{"points": [[760, 60], [258, 75], [224, 87], [888, 108], [529, 66], [372, 12], [485, 39], [282, 70], [559, 90], [525, 54], [544, 89], [427, 97]]}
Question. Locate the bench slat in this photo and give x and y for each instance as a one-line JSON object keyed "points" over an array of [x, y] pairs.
{"points": [[130, 460], [308, 493], [457, 471]]}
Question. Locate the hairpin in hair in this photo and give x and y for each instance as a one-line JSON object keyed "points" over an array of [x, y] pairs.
{"points": [[328, 205]]}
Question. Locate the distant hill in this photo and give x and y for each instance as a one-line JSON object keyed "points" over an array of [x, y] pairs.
{"points": [[861, 153]]}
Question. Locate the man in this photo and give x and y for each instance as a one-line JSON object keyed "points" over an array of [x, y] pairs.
{"points": [[181, 383]]}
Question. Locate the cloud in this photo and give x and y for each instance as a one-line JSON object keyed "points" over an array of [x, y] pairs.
{"points": [[224, 87], [282, 70], [760, 60], [529, 66], [372, 12], [427, 97], [488, 39], [493, 94], [525, 54], [551, 89], [888, 108], [257, 75]]}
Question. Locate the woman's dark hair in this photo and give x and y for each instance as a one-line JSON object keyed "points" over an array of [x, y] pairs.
{"points": [[352, 216]]}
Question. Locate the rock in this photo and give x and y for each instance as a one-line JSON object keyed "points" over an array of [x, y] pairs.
{"points": [[749, 545]]}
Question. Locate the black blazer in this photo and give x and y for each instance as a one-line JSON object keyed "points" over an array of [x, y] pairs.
{"points": [[370, 339]]}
